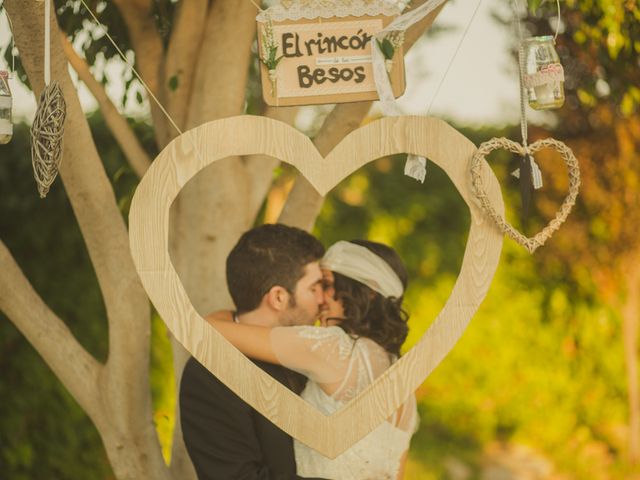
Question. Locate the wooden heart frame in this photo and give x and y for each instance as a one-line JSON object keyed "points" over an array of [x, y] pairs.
{"points": [[185, 156]]}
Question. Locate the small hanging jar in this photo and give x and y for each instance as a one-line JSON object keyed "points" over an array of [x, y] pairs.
{"points": [[543, 73], [6, 127]]}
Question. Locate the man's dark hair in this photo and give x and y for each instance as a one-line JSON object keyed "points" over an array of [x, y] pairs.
{"points": [[267, 256]]}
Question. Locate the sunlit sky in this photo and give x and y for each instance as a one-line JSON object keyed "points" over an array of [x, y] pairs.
{"points": [[481, 86]]}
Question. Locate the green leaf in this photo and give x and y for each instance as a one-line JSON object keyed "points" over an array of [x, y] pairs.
{"points": [[139, 97], [173, 83], [387, 48]]}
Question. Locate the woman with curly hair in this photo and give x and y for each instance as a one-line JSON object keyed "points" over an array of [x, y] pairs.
{"points": [[362, 327]]}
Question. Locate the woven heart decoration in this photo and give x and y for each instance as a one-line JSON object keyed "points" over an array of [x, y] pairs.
{"points": [[478, 164], [188, 154]]}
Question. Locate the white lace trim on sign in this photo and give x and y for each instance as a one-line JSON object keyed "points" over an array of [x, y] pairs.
{"points": [[310, 9]]}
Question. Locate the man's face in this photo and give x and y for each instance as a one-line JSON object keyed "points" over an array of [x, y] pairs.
{"points": [[332, 310], [308, 298]]}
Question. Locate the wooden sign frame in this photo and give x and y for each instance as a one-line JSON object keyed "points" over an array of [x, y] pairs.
{"points": [[188, 154], [396, 77]]}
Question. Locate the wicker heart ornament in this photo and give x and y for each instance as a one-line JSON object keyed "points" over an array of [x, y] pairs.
{"points": [[188, 154], [478, 165]]}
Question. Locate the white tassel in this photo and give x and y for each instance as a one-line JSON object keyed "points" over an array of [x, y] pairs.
{"points": [[416, 167], [536, 174]]}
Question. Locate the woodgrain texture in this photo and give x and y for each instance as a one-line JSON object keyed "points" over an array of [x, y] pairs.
{"points": [[247, 135]]}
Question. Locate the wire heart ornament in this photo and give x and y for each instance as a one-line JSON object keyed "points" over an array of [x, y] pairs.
{"points": [[193, 151], [47, 134], [478, 163]]}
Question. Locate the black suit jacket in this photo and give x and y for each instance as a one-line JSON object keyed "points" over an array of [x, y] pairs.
{"points": [[225, 437]]}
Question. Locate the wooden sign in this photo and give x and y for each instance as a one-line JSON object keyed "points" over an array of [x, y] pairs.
{"points": [[323, 60], [196, 149]]}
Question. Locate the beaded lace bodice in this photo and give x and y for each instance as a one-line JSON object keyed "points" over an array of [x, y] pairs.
{"points": [[339, 367]]}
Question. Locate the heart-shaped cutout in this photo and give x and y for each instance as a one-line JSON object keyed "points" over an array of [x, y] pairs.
{"points": [[247, 135], [530, 243]]}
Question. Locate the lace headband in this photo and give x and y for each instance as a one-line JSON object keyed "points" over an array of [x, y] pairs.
{"points": [[361, 264]]}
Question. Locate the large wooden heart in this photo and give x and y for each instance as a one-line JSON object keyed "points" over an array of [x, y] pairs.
{"points": [[247, 135]]}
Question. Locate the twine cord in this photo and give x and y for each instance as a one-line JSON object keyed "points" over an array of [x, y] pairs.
{"points": [[256, 5], [555, 37], [124, 59], [521, 68], [453, 57], [523, 106], [47, 42]]}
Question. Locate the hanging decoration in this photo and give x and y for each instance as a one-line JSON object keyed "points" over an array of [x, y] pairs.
{"points": [[416, 166], [543, 73], [269, 55], [318, 51], [477, 162], [540, 72], [389, 45], [47, 130], [6, 101]]}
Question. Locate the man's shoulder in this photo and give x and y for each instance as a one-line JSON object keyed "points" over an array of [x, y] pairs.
{"points": [[195, 372]]}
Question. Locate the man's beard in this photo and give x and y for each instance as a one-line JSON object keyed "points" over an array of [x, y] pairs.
{"points": [[295, 315]]}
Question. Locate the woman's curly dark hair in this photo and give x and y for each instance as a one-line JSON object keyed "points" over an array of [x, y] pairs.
{"points": [[369, 314]]}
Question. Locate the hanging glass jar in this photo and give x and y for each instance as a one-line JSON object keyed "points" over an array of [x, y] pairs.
{"points": [[6, 127], [543, 73]]}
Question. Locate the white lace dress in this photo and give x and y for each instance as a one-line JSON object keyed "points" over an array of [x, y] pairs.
{"points": [[339, 367]]}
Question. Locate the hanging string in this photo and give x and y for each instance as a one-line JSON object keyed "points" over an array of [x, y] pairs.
{"points": [[47, 129], [555, 37], [531, 169], [256, 5], [47, 42], [124, 59], [455, 54], [523, 105]]}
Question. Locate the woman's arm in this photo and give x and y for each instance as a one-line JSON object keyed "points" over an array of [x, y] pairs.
{"points": [[253, 341], [313, 351]]}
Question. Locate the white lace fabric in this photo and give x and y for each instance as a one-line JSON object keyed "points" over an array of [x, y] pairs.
{"points": [[339, 367], [311, 9]]}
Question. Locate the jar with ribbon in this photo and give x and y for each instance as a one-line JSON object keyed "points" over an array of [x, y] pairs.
{"points": [[6, 101], [543, 73]]}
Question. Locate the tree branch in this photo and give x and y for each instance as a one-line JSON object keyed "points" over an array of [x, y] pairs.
{"points": [[184, 46], [122, 132], [51, 338], [149, 51], [260, 167], [304, 202], [222, 66]]}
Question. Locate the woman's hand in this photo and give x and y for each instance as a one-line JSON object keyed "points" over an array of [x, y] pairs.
{"points": [[252, 340]]}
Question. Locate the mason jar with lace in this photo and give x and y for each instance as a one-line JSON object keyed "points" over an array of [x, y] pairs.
{"points": [[6, 127], [543, 74]]}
